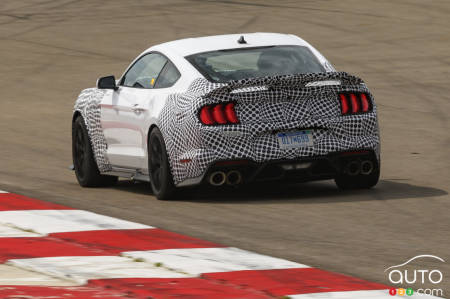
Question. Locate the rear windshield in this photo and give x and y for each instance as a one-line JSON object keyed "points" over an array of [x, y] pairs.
{"points": [[227, 65]]}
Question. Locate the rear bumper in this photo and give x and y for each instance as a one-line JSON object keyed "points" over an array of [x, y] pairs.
{"points": [[258, 144], [297, 170]]}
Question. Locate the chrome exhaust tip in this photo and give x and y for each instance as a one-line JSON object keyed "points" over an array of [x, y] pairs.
{"points": [[217, 178], [234, 177], [353, 168], [366, 167]]}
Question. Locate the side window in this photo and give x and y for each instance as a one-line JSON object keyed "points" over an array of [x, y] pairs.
{"points": [[144, 73], [168, 76]]}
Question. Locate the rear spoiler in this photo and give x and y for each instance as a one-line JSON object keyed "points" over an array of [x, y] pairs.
{"points": [[278, 82]]}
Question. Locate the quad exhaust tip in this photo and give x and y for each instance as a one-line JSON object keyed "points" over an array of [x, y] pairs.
{"points": [[353, 168], [366, 167], [234, 177], [217, 178]]}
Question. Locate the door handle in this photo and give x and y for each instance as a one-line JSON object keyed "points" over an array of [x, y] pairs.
{"points": [[137, 109]]}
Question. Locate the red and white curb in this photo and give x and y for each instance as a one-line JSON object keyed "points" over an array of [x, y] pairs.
{"points": [[52, 251]]}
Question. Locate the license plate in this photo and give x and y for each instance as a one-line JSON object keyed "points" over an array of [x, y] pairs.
{"points": [[295, 139]]}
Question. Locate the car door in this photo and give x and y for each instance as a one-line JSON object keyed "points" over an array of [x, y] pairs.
{"points": [[123, 112]]}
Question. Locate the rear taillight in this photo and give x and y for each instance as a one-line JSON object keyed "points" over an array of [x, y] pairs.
{"points": [[218, 114], [344, 104], [231, 113], [354, 103], [365, 103], [206, 116]]}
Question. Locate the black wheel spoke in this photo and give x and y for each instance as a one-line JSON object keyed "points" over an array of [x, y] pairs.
{"points": [[79, 151], [158, 177], [156, 162]]}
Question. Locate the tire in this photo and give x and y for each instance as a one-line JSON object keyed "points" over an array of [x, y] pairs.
{"points": [[161, 178], [360, 181], [86, 169]]}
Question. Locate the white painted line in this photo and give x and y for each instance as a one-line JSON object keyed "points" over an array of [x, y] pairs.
{"points": [[54, 221], [7, 231], [82, 268], [206, 260], [10, 275], [376, 294], [1, 191]]}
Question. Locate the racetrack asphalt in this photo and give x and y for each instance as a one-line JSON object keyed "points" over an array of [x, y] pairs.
{"points": [[51, 50]]}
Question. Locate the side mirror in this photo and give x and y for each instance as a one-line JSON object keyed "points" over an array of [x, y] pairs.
{"points": [[108, 82]]}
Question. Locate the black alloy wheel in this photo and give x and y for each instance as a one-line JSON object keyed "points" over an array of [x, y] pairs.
{"points": [[159, 170]]}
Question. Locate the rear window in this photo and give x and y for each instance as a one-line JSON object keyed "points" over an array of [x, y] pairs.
{"points": [[236, 64]]}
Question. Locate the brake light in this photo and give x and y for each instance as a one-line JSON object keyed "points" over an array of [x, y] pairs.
{"points": [[205, 116], [230, 113], [218, 114], [344, 104], [354, 103], [365, 103]]}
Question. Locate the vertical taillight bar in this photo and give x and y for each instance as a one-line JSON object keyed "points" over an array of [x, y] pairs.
{"points": [[230, 113], [365, 103], [355, 103], [344, 104]]}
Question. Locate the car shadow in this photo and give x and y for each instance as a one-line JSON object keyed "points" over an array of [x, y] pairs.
{"points": [[311, 192]]}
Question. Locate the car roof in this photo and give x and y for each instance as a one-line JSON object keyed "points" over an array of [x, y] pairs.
{"points": [[189, 46]]}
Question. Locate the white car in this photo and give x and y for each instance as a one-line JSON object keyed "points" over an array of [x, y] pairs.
{"points": [[227, 110]]}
